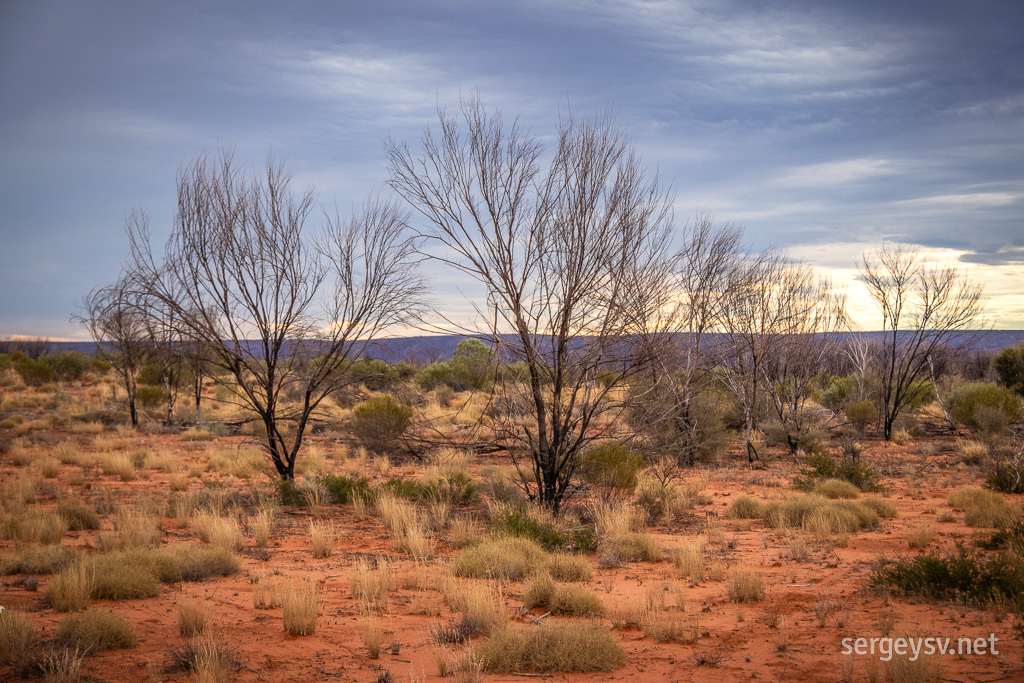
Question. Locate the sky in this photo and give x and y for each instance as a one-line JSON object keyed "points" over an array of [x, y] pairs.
{"points": [[822, 128]]}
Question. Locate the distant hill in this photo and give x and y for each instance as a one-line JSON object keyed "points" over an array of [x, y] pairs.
{"points": [[432, 348]]}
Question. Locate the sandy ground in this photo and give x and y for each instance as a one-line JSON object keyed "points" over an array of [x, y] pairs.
{"points": [[775, 640]]}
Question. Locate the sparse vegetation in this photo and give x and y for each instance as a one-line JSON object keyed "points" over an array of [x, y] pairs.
{"points": [[554, 646]]}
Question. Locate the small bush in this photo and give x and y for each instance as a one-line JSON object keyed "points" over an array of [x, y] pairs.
{"points": [[745, 507], [553, 646], [96, 631], [961, 577], [819, 467], [860, 414], [149, 396], [16, 637], [984, 406], [610, 465], [125, 575], [379, 422], [520, 524], [343, 489]]}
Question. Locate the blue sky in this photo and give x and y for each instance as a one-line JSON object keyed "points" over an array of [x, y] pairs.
{"points": [[822, 128]]}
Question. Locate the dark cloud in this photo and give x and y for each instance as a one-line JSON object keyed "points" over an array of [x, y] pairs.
{"points": [[808, 122]]}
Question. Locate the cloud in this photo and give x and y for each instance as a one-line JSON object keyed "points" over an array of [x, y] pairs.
{"points": [[965, 201], [838, 173], [1002, 257]]}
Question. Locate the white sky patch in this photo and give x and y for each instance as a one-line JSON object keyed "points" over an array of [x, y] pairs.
{"points": [[838, 173], [970, 200]]}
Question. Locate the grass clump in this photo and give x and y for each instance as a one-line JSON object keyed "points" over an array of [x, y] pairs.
{"points": [[35, 526], [217, 530], [689, 559], [193, 616], [963, 577], [982, 508], [745, 585], [343, 489], [501, 558], [78, 515], [836, 489], [321, 537], [369, 586], [572, 599], [634, 546], [46, 559], [17, 637], [568, 567], [96, 631], [568, 646], [882, 507], [745, 507], [186, 562], [125, 575], [819, 515], [71, 589], [208, 660], [300, 603]]}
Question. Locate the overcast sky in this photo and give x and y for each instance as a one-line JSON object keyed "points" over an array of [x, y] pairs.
{"points": [[822, 128]]}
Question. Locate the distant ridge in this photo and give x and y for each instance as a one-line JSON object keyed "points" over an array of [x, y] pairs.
{"points": [[429, 348]]}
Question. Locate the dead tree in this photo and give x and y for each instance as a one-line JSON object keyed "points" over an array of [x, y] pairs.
{"points": [[280, 311], [566, 243], [924, 308]]}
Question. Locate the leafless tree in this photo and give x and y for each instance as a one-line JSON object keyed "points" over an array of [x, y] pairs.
{"points": [[683, 340], [924, 309], [119, 328], [566, 247], [281, 312], [777, 310]]}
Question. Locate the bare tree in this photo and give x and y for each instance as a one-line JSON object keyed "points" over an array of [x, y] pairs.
{"points": [[566, 249], [118, 326], [777, 311], [682, 339], [924, 309], [281, 312]]}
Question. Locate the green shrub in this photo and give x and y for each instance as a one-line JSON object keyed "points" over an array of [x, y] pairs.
{"points": [[838, 392], [517, 523], [34, 372], [96, 631], [819, 466], [380, 421], [149, 396], [861, 413], [552, 646], [1009, 365], [67, 365], [961, 577], [344, 489], [290, 494], [984, 406], [611, 465]]}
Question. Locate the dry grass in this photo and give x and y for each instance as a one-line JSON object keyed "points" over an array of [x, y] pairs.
{"points": [[62, 665], [266, 591], [78, 515], [71, 589], [369, 629], [982, 508], [745, 585], [193, 615], [119, 465], [107, 444], [136, 529], [35, 559], [96, 631], [300, 603], [262, 524], [922, 536], [906, 668], [837, 489], [49, 467], [66, 453], [689, 559], [217, 530], [572, 599], [17, 636], [501, 558], [552, 646], [370, 585], [322, 536], [630, 547], [36, 526], [481, 609]]}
